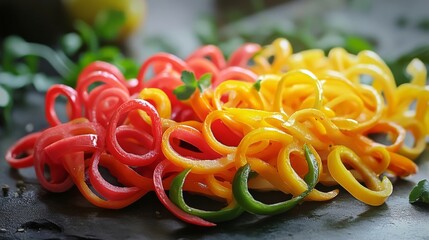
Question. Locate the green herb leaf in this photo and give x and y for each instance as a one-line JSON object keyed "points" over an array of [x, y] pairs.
{"points": [[420, 192], [204, 82], [257, 85], [108, 23], [189, 78], [184, 92], [71, 42]]}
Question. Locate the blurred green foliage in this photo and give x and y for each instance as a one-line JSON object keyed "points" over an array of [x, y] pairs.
{"points": [[20, 66]]}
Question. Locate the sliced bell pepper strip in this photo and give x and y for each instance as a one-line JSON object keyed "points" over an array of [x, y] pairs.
{"points": [[376, 191], [246, 200], [71, 95], [76, 168], [230, 212], [23, 147], [112, 141], [102, 186], [162, 168], [202, 166]]}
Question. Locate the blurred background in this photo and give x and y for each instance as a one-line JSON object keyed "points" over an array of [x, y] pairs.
{"points": [[44, 42]]}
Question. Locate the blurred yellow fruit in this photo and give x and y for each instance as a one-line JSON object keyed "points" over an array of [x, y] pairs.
{"points": [[87, 10]]}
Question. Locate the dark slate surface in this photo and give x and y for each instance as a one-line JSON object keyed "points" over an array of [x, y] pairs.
{"points": [[37, 214]]}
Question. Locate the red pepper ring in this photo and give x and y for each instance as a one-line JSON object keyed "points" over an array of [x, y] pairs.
{"points": [[133, 140], [103, 187], [185, 138], [169, 62], [76, 168], [24, 147], [117, 150], [244, 54], [201, 66], [59, 180], [104, 67], [103, 102], [80, 143], [55, 91], [96, 77], [126, 175], [234, 73], [162, 168], [209, 51]]}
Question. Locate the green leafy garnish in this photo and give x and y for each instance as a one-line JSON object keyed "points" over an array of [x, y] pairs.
{"points": [[420, 192], [191, 83], [257, 85], [204, 82]]}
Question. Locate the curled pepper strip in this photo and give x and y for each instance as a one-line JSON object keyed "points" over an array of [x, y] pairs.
{"points": [[236, 123], [230, 212], [205, 166], [71, 95], [57, 144], [76, 168], [381, 81], [210, 51], [102, 186], [96, 77], [161, 169], [288, 174], [246, 200], [103, 104], [401, 166], [243, 54], [101, 66], [163, 63], [290, 78], [417, 130], [112, 142], [234, 73], [376, 191], [256, 136], [280, 49], [220, 188], [239, 95], [23, 147]]}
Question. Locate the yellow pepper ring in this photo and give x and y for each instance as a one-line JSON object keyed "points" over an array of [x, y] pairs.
{"points": [[297, 77], [256, 136], [377, 191], [197, 166], [297, 184]]}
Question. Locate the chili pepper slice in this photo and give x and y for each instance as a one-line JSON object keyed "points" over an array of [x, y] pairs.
{"points": [[246, 200]]}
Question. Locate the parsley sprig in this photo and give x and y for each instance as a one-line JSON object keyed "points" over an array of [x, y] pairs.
{"points": [[191, 83], [420, 192]]}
